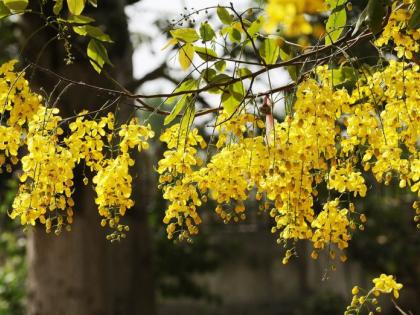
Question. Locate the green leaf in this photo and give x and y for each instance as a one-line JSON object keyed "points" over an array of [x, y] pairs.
{"points": [[76, 7], [218, 79], [4, 11], [205, 53], [224, 15], [269, 50], [171, 42], [58, 6], [186, 55], [187, 85], [243, 72], [286, 53], [187, 120], [256, 26], [97, 54], [232, 97], [235, 35], [335, 26], [332, 4], [187, 35], [206, 32], [375, 14], [92, 31], [414, 22], [183, 101], [344, 77], [16, 5], [80, 19], [220, 65], [208, 74], [237, 90]]}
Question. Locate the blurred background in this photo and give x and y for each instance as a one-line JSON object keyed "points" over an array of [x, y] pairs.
{"points": [[235, 268]]}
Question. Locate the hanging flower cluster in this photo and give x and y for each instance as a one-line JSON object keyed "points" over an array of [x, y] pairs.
{"points": [[50, 157], [330, 139], [405, 39]]}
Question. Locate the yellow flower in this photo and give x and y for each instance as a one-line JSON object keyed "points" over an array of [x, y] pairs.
{"points": [[387, 284]]}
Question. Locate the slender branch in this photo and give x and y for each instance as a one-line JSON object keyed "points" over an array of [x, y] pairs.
{"points": [[247, 35], [347, 40]]}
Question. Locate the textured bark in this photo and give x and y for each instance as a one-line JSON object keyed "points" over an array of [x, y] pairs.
{"points": [[81, 272]]}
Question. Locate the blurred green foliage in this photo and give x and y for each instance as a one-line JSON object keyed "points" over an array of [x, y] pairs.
{"points": [[12, 253]]}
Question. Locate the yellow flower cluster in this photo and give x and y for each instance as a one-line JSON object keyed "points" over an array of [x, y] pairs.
{"points": [[47, 179], [17, 106], [177, 165], [331, 226], [387, 284], [290, 14], [113, 180], [383, 284], [388, 124], [406, 40], [344, 179], [86, 140], [331, 134], [45, 193]]}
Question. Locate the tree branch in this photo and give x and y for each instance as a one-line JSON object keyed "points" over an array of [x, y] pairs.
{"points": [[347, 40]]}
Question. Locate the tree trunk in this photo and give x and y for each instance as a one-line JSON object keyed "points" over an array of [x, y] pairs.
{"points": [[80, 272]]}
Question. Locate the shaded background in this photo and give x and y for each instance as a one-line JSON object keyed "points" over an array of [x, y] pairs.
{"points": [[233, 268]]}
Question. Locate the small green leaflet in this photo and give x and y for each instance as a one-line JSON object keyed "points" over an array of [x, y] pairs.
{"points": [[235, 35], [171, 42], [286, 53], [206, 32], [220, 65], [185, 100], [187, 85], [233, 97], [216, 80], [186, 121], [270, 50], [4, 11], [97, 54], [224, 15], [187, 35], [92, 31], [16, 5], [205, 53], [256, 26], [344, 77], [76, 7], [186, 55], [243, 72], [335, 26], [81, 19], [335, 3], [208, 74], [58, 6]]}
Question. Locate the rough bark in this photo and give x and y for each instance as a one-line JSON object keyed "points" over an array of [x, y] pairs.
{"points": [[80, 272]]}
